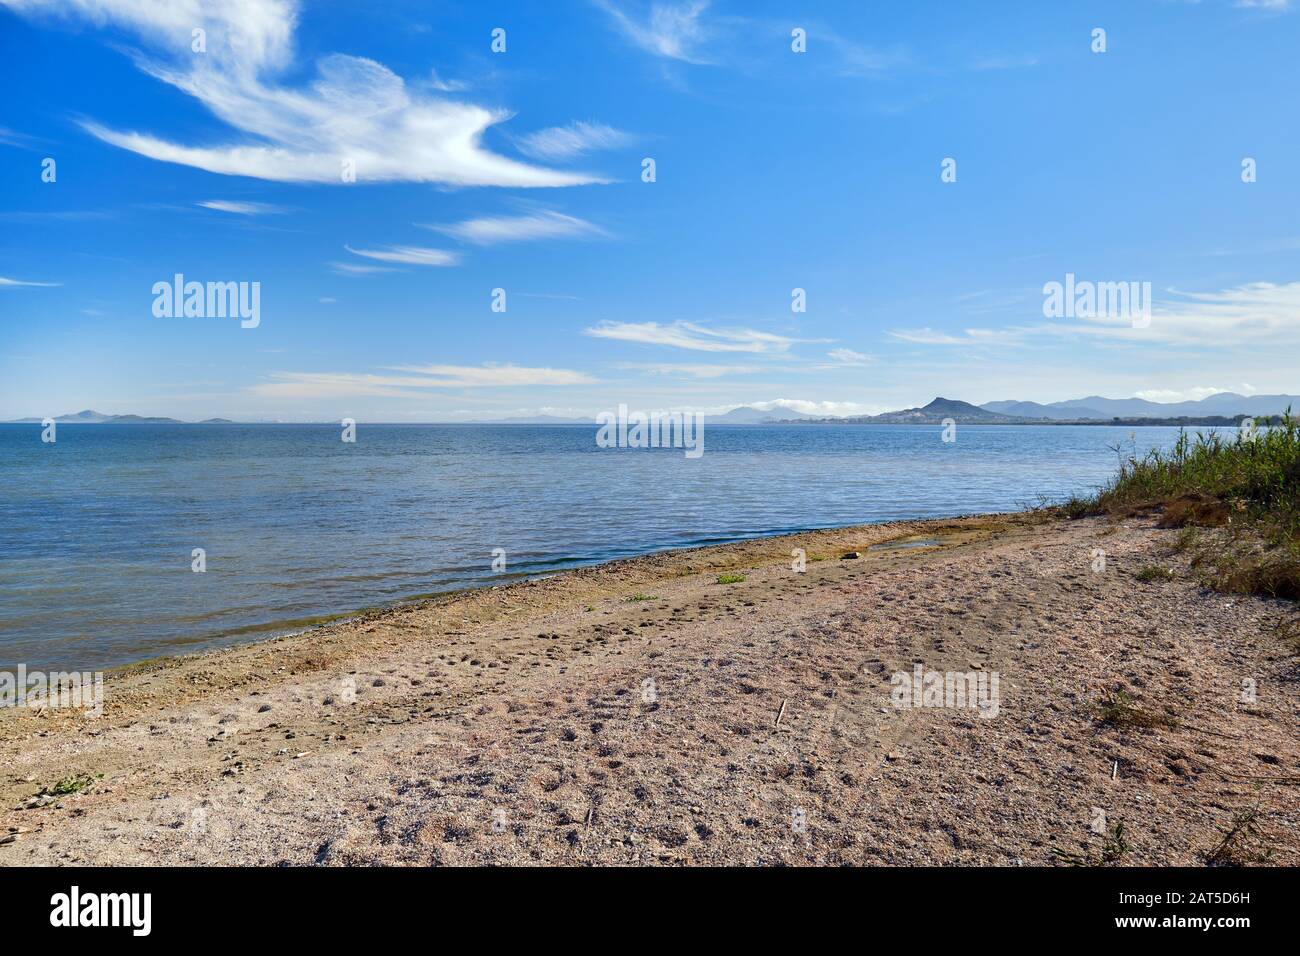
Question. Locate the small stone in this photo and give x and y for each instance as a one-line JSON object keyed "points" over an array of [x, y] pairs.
{"points": [[850, 556]]}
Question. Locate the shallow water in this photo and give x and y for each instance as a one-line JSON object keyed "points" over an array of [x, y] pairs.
{"points": [[97, 530]]}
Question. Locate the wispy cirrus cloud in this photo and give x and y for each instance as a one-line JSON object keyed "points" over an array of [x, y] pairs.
{"points": [[494, 375], [929, 336], [672, 30], [688, 335], [545, 224], [9, 137], [1257, 311], [446, 86], [690, 370], [561, 143], [356, 111], [418, 379], [241, 208], [358, 269], [408, 255], [5, 282], [854, 59], [848, 357], [1276, 6]]}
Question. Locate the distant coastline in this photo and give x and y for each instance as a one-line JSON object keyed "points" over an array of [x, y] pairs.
{"points": [[1221, 410]]}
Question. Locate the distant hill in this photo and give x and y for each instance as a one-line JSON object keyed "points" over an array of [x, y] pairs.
{"points": [[936, 412], [1094, 406], [1035, 410], [91, 417], [745, 415]]}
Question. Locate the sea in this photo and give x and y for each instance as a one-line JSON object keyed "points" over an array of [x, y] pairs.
{"points": [[120, 543]]}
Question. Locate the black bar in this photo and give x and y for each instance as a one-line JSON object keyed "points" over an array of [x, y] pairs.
{"points": [[325, 904]]}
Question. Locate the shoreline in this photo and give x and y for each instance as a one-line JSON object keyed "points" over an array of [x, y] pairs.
{"points": [[294, 629], [404, 734]]}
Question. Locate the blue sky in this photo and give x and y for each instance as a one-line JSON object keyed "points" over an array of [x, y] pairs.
{"points": [[522, 170]]}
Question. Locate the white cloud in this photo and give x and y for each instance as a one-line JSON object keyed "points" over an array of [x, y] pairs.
{"points": [[560, 143], [455, 376], [13, 138], [692, 370], [408, 255], [1277, 5], [446, 86], [21, 282], [540, 225], [806, 407], [421, 377], [849, 357], [1253, 312], [687, 335], [1194, 394], [239, 207], [671, 30], [355, 111], [1257, 311], [357, 269], [929, 336], [853, 59]]}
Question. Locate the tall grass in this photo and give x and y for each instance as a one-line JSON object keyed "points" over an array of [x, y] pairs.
{"points": [[1250, 480]]}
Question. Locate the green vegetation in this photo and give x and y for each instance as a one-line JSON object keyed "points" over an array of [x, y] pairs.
{"points": [[641, 597], [1153, 572], [68, 785], [730, 578], [1246, 487]]}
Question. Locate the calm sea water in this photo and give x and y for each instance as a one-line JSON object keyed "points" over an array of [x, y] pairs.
{"points": [[97, 530]]}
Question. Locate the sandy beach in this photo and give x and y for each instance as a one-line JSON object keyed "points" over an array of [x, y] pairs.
{"points": [[643, 712]]}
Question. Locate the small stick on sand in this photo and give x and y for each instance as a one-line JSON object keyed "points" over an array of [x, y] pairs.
{"points": [[782, 712], [1114, 771]]}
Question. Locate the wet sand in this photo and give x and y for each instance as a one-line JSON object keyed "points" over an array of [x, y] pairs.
{"points": [[641, 712]]}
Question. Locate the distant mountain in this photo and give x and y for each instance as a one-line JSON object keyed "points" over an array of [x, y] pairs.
{"points": [[1035, 410], [745, 415], [936, 412], [91, 417], [85, 416], [1094, 406]]}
